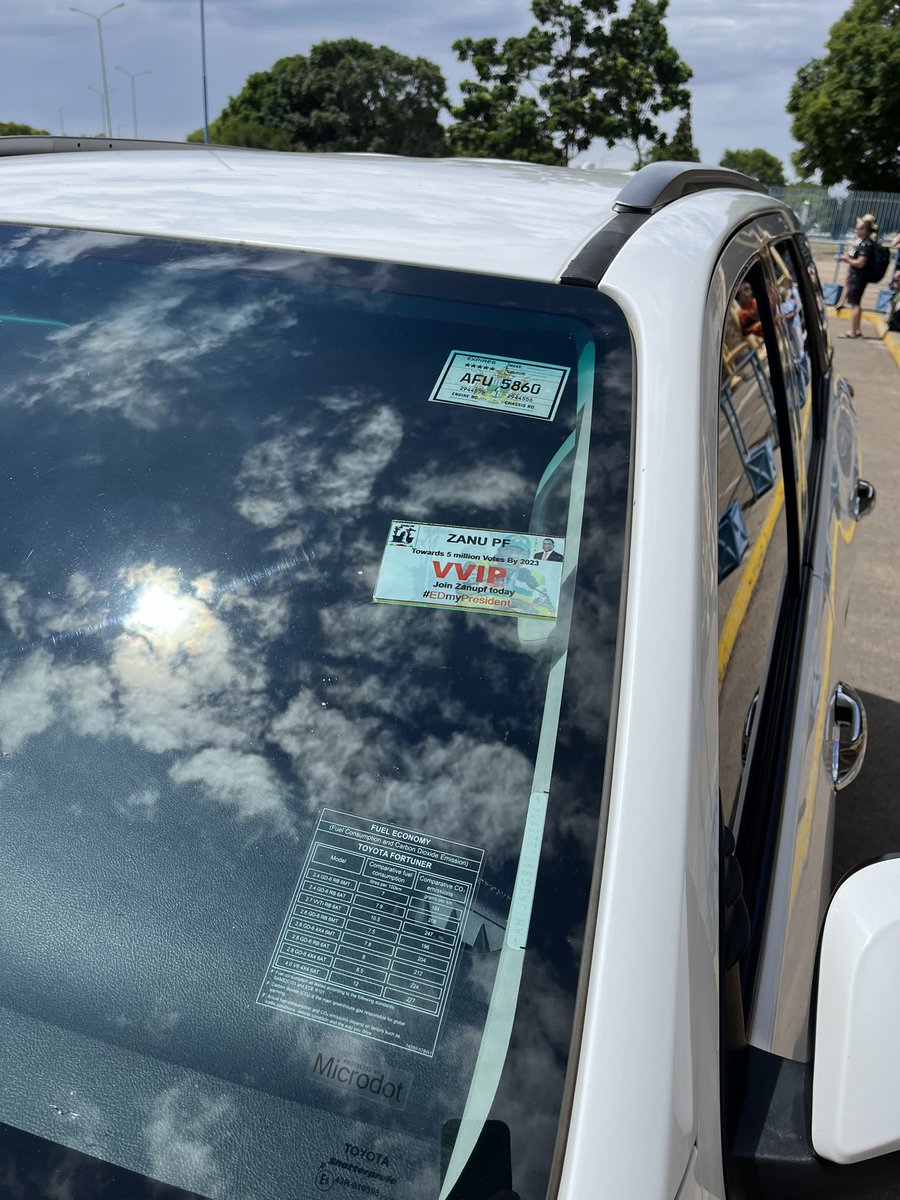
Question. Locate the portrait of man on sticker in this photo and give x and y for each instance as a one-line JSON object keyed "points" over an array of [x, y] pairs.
{"points": [[547, 552]]}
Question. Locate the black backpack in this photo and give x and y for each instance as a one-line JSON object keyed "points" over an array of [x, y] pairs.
{"points": [[876, 267]]}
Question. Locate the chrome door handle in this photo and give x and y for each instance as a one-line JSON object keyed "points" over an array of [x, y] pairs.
{"points": [[847, 741], [865, 499]]}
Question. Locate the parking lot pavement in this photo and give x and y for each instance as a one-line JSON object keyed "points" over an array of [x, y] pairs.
{"points": [[867, 821]]}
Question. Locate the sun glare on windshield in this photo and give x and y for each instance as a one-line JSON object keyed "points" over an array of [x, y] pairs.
{"points": [[159, 611]]}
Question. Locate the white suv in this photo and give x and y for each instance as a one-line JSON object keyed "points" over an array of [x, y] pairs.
{"points": [[421, 698]]}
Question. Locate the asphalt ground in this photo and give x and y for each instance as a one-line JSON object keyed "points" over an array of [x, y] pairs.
{"points": [[867, 819]]}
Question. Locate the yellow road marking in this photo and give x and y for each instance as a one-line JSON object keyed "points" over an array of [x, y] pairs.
{"points": [[749, 580]]}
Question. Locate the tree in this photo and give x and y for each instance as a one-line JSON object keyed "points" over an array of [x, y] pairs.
{"points": [[650, 79], [343, 95], [234, 132], [759, 163], [494, 119], [577, 76], [572, 40], [13, 129], [846, 106], [679, 148]]}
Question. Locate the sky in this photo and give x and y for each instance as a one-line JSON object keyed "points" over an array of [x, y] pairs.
{"points": [[744, 55]]}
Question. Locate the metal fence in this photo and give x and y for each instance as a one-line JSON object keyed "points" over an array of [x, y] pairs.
{"points": [[834, 216]]}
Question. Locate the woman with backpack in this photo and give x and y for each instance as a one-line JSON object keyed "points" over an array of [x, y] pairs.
{"points": [[864, 260]]}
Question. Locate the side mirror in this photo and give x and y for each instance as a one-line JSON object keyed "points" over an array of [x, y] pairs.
{"points": [[856, 1065]]}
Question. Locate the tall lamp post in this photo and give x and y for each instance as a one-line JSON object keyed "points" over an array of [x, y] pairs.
{"points": [[94, 17], [136, 75], [203, 63], [97, 92]]}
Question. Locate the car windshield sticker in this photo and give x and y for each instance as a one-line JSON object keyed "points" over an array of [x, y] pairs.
{"points": [[477, 570], [514, 385], [373, 931]]}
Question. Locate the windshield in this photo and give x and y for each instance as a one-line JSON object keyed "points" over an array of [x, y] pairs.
{"points": [[310, 575]]}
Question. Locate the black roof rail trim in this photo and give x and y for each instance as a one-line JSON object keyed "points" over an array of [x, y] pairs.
{"points": [[589, 265], [37, 144], [658, 184]]}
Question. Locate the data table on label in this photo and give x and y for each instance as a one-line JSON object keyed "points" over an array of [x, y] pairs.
{"points": [[378, 913]]}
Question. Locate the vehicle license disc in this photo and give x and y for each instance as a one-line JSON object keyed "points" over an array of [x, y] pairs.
{"points": [[514, 385], [476, 570]]}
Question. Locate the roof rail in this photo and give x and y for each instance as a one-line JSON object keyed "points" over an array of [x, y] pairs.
{"points": [[658, 184], [38, 144]]}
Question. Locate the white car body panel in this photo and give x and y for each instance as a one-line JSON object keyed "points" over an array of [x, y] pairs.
{"points": [[658, 923], [513, 219], [855, 1111]]}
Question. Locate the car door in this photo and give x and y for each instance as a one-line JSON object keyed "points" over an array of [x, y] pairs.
{"points": [[824, 716], [804, 739], [760, 600]]}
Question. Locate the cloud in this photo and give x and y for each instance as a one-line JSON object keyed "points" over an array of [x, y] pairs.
{"points": [[244, 782], [333, 754], [183, 1131], [264, 618], [134, 360], [170, 677], [27, 699], [89, 699], [142, 804], [51, 248], [291, 475], [434, 485], [477, 791], [12, 598], [377, 631]]}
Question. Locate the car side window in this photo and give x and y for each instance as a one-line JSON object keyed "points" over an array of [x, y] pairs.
{"points": [[812, 273], [752, 529], [795, 332]]}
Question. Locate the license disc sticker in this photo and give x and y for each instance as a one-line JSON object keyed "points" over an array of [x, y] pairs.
{"points": [[514, 385], [477, 570]]}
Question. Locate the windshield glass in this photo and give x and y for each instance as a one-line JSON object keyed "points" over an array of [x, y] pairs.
{"points": [[310, 575]]}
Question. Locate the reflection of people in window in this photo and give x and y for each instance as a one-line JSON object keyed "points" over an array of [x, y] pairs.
{"points": [[548, 552], [749, 314]]}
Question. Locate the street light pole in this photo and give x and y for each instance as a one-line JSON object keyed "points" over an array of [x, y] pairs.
{"points": [[203, 60], [97, 92], [137, 74], [94, 17]]}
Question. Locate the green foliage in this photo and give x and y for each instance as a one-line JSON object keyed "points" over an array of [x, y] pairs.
{"points": [[758, 163], [679, 148], [649, 78], [573, 45], [13, 129], [343, 95], [846, 106], [494, 119], [580, 74], [233, 132]]}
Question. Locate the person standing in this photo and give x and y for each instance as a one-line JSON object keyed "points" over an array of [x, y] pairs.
{"points": [[858, 259]]}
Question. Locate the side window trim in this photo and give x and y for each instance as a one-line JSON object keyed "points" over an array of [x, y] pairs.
{"points": [[763, 777]]}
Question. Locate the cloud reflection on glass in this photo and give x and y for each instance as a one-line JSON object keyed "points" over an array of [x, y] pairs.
{"points": [[191, 668]]}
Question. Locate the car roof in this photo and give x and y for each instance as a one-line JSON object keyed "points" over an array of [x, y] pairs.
{"points": [[497, 218]]}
